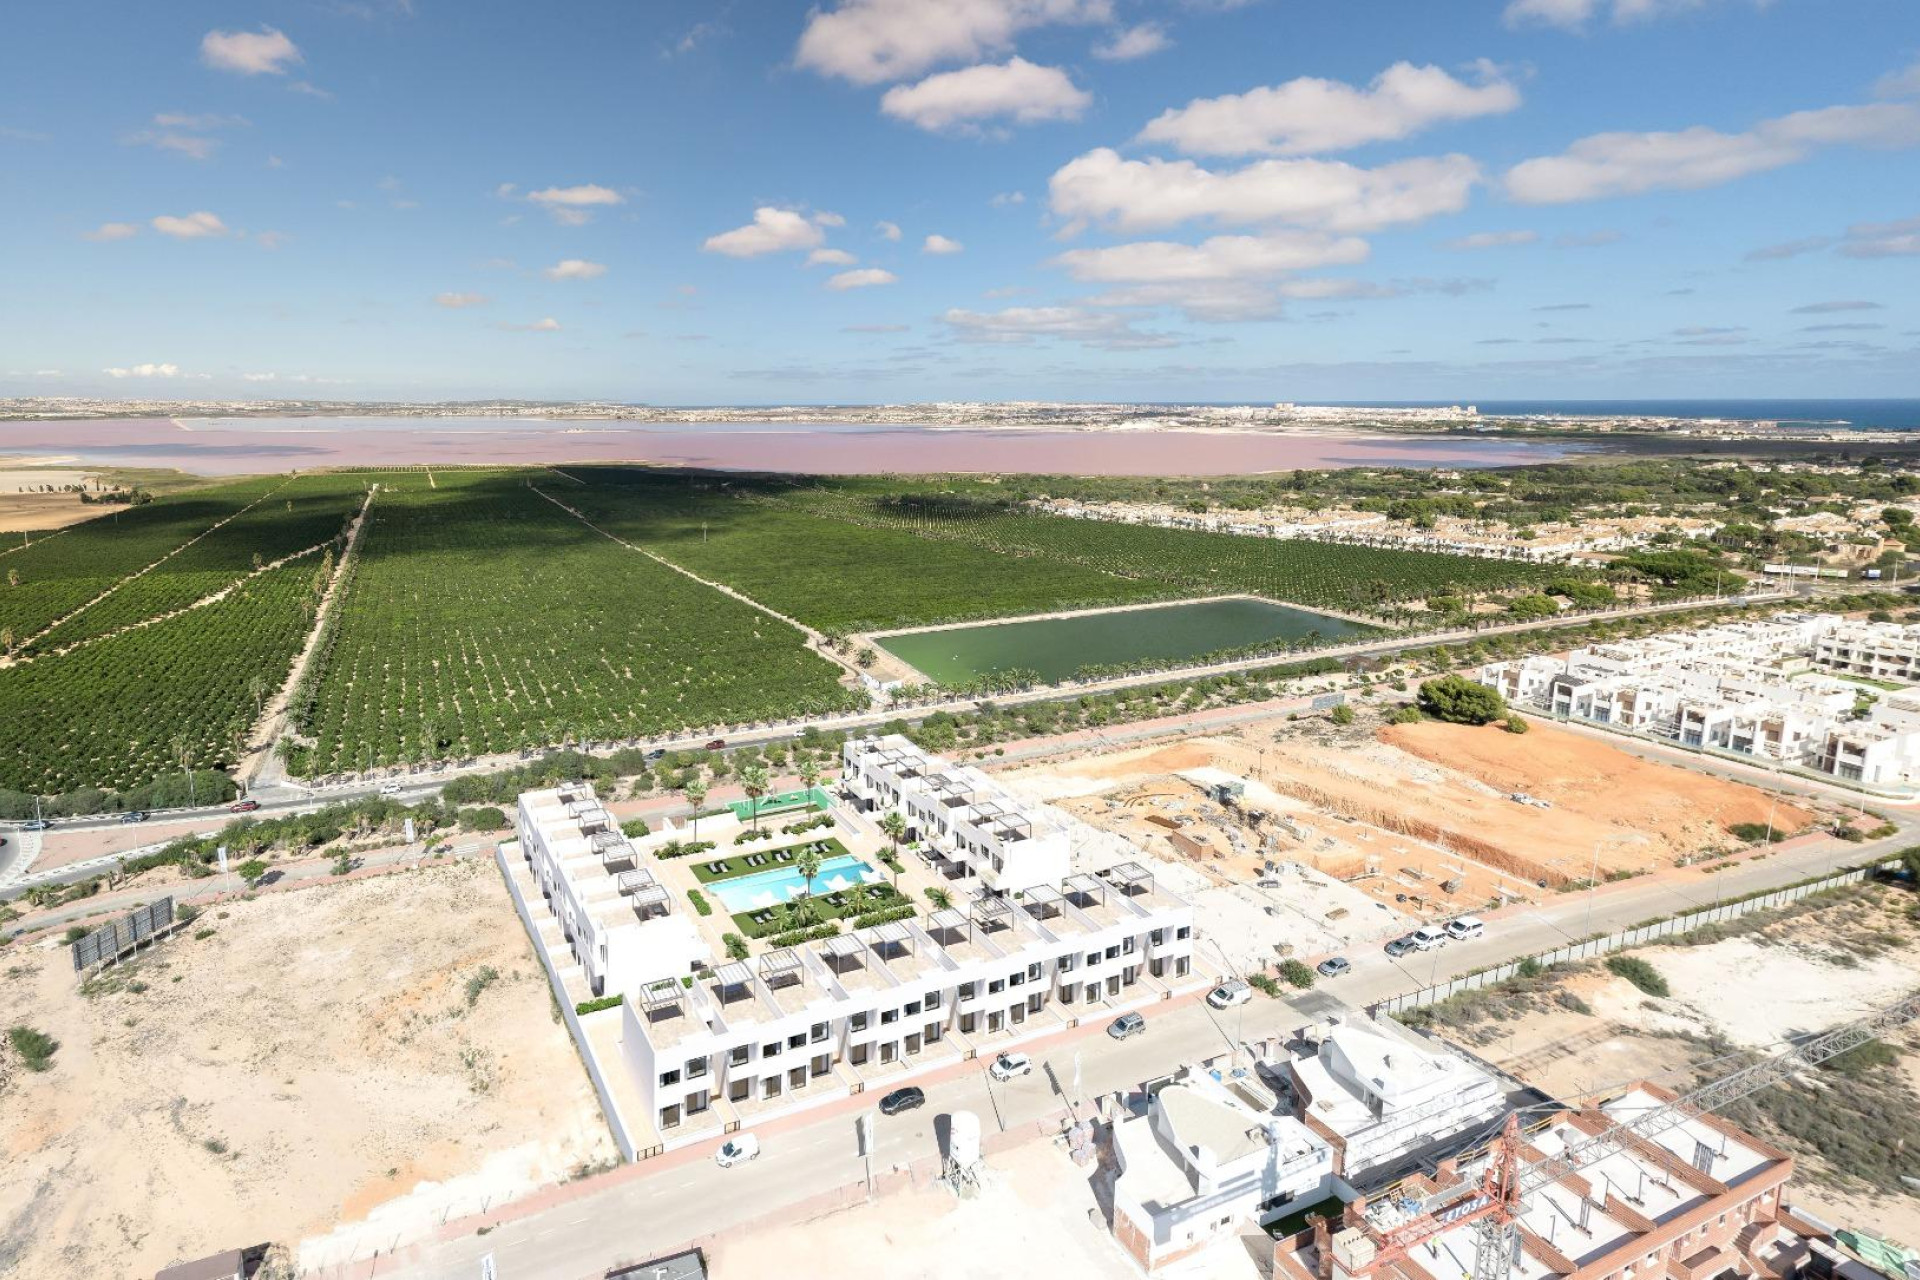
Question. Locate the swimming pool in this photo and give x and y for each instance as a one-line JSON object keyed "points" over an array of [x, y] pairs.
{"points": [[783, 884]]}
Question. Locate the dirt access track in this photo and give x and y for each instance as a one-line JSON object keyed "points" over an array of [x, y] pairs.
{"points": [[318, 1054]]}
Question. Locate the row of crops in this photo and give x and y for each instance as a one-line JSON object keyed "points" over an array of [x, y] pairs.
{"points": [[1326, 575], [122, 712], [294, 517], [482, 618], [834, 574]]}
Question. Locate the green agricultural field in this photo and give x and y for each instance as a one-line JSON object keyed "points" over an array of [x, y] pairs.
{"points": [[480, 618], [832, 574], [44, 582]]}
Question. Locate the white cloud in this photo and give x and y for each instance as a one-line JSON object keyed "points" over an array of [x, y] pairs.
{"points": [[1310, 115], [825, 219], [570, 206], [259, 377], [1899, 84], [112, 231], [270, 239], [1021, 325], [1574, 15], [146, 371], [1619, 164], [887, 230], [205, 122], [1016, 90], [575, 269], [831, 258], [939, 244], [1134, 195], [1134, 42], [1491, 240], [861, 278], [192, 145], [1882, 239], [546, 325], [458, 301], [1216, 258], [1829, 308], [250, 53], [195, 226], [1004, 199], [771, 231], [1588, 239], [874, 41]]}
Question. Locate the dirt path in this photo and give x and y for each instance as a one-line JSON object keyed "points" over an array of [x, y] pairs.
{"points": [[265, 735]]}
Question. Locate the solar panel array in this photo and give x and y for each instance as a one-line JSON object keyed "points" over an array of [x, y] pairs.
{"points": [[113, 940]]}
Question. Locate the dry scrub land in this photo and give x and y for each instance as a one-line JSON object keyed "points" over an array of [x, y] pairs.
{"points": [[1401, 810], [1734, 990], [286, 1063]]}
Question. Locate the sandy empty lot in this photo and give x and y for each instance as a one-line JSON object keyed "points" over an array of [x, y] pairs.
{"points": [[320, 1053]]}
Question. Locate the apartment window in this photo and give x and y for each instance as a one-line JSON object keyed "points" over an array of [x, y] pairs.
{"points": [[1154, 938], [1067, 963], [1127, 945], [995, 987], [697, 1103], [1066, 994], [738, 1055], [932, 1033], [912, 1008], [1185, 931], [1033, 972], [889, 1016], [933, 1000], [1093, 957], [770, 1050], [696, 1068], [669, 1078], [968, 990], [1015, 979], [858, 1022], [819, 1032], [796, 1040], [1113, 953]]}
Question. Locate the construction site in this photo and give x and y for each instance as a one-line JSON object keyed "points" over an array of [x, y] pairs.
{"points": [[1425, 819]]}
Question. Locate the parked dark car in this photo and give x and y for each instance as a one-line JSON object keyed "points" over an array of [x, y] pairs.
{"points": [[902, 1100], [718, 744], [245, 806], [134, 815], [658, 753]]}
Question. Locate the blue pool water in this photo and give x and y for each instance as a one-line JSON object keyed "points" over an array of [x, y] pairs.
{"points": [[744, 893]]}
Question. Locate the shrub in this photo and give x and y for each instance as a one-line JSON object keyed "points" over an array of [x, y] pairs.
{"points": [[483, 817], [74, 934], [1755, 832], [479, 982], [253, 871], [883, 916], [699, 901], [586, 1007], [1407, 714], [1533, 607], [1264, 982], [1515, 724], [1341, 714], [736, 945], [1640, 974], [36, 1048], [634, 827], [1296, 974], [794, 937], [1459, 700]]}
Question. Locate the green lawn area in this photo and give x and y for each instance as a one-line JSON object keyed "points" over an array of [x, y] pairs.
{"points": [[768, 921], [736, 864]]}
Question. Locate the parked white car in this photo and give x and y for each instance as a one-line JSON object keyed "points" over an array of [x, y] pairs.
{"points": [[1010, 1065], [738, 1149], [389, 788], [1466, 928], [1427, 937], [1229, 993]]}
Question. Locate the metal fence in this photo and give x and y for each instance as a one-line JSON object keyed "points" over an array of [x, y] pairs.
{"points": [[112, 941], [560, 997], [1637, 936]]}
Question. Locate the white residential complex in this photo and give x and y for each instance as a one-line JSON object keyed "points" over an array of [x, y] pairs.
{"points": [[615, 916], [973, 826], [1795, 688]]}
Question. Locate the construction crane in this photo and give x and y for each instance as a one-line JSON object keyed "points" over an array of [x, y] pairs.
{"points": [[1496, 1202]]}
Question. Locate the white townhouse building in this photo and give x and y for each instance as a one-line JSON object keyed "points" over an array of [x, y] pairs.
{"points": [[971, 825], [618, 921], [1379, 1097], [1876, 650], [1209, 1154], [887, 1001]]}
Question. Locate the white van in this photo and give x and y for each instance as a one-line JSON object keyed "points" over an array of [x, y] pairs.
{"points": [[1466, 928], [1427, 937]]}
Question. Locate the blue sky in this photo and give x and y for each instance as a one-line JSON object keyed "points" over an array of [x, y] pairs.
{"points": [[678, 202]]}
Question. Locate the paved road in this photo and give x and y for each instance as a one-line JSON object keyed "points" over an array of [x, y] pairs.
{"points": [[653, 1207]]}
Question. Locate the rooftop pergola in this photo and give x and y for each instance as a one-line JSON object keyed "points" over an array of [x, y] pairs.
{"points": [[990, 913], [1084, 890], [1043, 901], [651, 899], [613, 848], [951, 789], [1131, 877], [733, 980], [570, 792], [782, 967], [842, 950], [1003, 819], [628, 883], [890, 940], [660, 996], [946, 920]]}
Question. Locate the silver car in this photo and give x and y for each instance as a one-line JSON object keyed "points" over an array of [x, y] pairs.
{"points": [[1127, 1024]]}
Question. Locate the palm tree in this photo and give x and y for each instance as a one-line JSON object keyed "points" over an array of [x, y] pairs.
{"points": [[894, 827], [808, 865], [756, 783], [809, 774], [695, 790]]}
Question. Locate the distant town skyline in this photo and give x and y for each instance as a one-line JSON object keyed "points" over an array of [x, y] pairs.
{"points": [[896, 200]]}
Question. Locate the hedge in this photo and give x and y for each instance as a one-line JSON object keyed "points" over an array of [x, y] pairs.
{"points": [[699, 901], [586, 1007]]}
